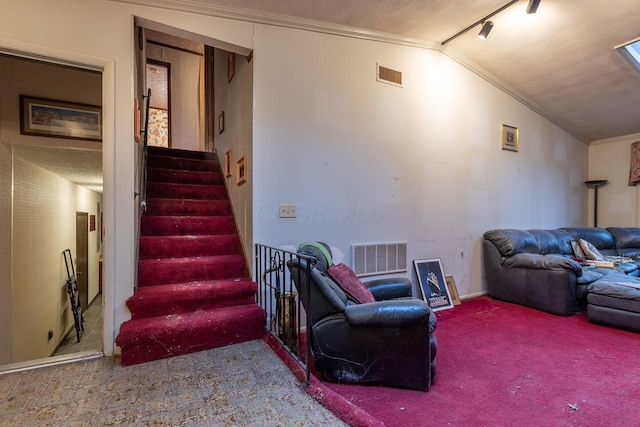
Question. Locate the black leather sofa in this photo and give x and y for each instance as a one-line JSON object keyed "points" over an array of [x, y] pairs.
{"points": [[538, 268], [388, 342]]}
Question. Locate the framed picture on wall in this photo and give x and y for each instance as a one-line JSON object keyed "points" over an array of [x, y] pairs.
{"points": [[241, 171], [509, 138], [60, 119], [221, 122], [433, 284]]}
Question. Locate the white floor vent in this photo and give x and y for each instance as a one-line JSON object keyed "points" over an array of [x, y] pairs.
{"points": [[379, 258]]}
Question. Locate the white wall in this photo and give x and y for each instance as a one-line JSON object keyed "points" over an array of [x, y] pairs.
{"points": [[235, 98], [5, 254], [618, 203], [364, 161], [369, 162]]}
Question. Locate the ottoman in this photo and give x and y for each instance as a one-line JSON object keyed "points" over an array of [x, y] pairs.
{"points": [[614, 300]]}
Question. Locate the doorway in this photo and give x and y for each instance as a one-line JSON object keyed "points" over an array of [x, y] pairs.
{"points": [[159, 81], [47, 183]]}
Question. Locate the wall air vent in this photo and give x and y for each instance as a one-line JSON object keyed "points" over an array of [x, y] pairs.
{"points": [[379, 258], [387, 75]]}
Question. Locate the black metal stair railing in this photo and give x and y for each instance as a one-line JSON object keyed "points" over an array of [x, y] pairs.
{"points": [[142, 167], [278, 296]]}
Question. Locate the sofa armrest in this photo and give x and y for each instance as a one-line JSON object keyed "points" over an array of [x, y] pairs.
{"points": [[543, 262], [389, 288], [389, 314]]}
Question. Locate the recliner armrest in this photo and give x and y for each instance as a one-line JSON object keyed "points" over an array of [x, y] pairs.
{"points": [[389, 314], [389, 288]]}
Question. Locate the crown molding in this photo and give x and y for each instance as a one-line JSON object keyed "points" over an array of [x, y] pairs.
{"points": [[632, 137], [268, 18], [273, 19]]}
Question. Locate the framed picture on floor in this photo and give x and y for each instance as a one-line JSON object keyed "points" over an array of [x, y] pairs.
{"points": [[433, 284]]}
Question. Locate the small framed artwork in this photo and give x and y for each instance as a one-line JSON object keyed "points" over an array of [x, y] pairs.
{"points": [[241, 171], [221, 122], [509, 138], [231, 66], [432, 283], [228, 157], [453, 290], [60, 119]]}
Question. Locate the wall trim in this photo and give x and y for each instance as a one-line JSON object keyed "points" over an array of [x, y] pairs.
{"points": [[614, 139]]}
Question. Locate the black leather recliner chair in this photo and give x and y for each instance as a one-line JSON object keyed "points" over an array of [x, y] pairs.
{"points": [[389, 342]]}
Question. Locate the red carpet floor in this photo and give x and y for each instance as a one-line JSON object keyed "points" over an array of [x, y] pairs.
{"points": [[501, 364]]}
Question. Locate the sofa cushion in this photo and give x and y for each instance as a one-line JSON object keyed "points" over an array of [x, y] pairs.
{"points": [[547, 242], [564, 241], [511, 241], [545, 262], [598, 237], [589, 276], [350, 284], [626, 238]]}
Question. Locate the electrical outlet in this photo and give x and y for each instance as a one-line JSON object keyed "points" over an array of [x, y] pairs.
{"points": [[288, 210]]}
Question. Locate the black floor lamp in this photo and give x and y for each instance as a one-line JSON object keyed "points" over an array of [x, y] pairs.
{"points": [[595, 184]]}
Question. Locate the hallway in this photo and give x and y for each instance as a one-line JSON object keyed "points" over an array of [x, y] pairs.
{"points": [[240, 385], [91, 337]]}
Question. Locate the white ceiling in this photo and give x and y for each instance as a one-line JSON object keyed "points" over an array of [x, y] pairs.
{"points": [[83, 167], [560, 60]]}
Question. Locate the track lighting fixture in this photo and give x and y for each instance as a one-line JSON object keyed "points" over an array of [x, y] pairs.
{"points": [[532, 7], [486, 29], [487, 25]]}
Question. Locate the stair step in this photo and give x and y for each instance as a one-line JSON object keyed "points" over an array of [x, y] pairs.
{"points": [[175, 152], [178, 270], [186, 191], [188, 246], [183, 176], [151, 301], [184, 225], [153, 338], [183, 163], [190, 207]]}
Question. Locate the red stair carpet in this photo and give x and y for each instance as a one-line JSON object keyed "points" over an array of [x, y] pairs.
{"points": [[193, 289], [502, 364]]}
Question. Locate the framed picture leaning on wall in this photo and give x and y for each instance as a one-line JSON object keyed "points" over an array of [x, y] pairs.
{"points": [[433, 284]]}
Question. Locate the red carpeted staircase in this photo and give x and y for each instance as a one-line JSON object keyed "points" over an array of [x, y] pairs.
{"points": [[193, 289]]}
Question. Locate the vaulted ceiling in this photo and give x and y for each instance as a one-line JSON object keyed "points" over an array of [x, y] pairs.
{"points": [[560, 60]]}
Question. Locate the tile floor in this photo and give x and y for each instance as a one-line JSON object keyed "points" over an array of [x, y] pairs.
{"points": [[240, 385], [91, 337]]}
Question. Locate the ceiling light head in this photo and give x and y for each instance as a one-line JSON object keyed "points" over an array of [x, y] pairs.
{"points": [[486, 29], [532, 7]]}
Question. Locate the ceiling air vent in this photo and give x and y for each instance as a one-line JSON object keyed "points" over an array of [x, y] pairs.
{"points": [[387, 75]]}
